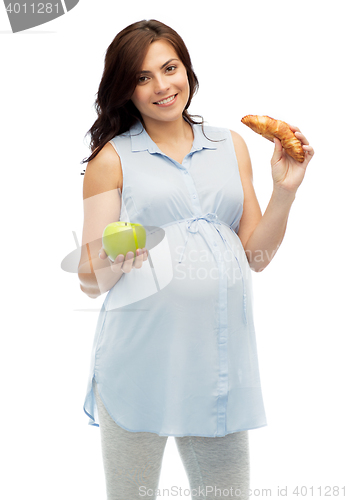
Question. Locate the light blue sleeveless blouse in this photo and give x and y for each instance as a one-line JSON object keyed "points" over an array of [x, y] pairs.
{"points": [[174, 351]]}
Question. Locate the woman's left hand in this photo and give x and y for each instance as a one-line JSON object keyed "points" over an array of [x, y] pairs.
{"points": [[287, 172]]}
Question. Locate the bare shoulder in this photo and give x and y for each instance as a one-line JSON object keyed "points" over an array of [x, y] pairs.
{"points": [[103, 173], [242, 155]]}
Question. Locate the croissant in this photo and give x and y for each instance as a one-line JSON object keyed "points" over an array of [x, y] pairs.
{"points": [[270, 128]]}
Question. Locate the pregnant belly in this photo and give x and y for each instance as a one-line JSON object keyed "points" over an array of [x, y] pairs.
{"points": [[201, 273]]}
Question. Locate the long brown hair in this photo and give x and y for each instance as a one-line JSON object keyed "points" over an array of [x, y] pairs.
{"points": [[123, 60]]}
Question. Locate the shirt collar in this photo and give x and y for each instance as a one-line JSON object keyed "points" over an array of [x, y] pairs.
{"points": [[141, 141]]}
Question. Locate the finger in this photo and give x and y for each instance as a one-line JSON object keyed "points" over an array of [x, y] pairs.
{"points": [[309, 150], [294, 128], [301, 137], [128, 262], [145, 254], [277, 143], [139, 259], [102, 254], [117, 264], [278, 148]]}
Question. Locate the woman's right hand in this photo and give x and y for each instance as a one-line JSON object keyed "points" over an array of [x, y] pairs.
{"points": [[126, 263]]}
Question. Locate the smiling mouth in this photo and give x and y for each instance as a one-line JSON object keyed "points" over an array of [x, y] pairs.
{"points": [[168, 99]]}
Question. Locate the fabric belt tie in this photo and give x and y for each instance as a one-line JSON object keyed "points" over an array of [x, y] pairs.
{"points": [[209, 217]]}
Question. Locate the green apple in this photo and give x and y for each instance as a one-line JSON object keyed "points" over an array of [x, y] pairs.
{"points": [[122, 237]]}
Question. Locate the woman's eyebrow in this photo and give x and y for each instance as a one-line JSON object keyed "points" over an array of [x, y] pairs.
{"points": [[165, 64]]}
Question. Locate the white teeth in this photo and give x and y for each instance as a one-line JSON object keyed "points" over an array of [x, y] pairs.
{"points": [[166, 100]]}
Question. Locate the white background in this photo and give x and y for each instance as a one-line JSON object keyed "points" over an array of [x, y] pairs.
{"points": [[284, 59]]}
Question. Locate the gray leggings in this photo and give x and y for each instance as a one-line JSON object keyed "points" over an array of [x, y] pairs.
{"points": [[217, 467]]}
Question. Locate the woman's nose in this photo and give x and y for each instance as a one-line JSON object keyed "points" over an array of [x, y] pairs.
{"points": [[161, 85]]}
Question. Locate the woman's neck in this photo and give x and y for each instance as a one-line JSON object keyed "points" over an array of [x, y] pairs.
{"points": [[171, 132]]}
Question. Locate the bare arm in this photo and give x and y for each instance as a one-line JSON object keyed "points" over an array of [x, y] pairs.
{"points": [[102, 204], [261, 236]]}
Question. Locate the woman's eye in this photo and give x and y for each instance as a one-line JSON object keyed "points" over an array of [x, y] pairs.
{"points": [[142, 79], [171, 68]]}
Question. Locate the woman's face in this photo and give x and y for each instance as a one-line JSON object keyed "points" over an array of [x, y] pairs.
{"points": [[162, 91]]}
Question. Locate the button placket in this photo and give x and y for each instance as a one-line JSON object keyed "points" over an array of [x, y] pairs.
{"points": [[190, 184]]}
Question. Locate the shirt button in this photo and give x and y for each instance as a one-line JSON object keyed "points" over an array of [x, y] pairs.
{"points": [[194, 195]]}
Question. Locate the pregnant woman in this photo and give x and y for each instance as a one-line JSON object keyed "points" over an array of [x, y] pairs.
{"points": [[180, 360]]}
